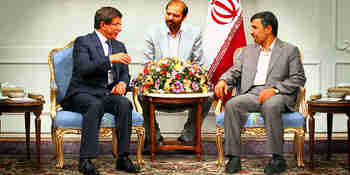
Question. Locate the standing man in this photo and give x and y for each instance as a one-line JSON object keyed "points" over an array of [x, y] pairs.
{"points": [[174, 39], [271, 72], [99, 81]]}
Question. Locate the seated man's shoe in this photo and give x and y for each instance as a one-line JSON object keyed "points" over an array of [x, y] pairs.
{"points": [[125, 164], [87, 168], [233, 165], [182, 139], [275, 166]]}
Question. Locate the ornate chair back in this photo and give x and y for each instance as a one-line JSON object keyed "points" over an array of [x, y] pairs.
{"points": [[67, 122], [292, 122]]}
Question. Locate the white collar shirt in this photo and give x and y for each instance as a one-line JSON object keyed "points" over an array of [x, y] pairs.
{"points": [[263, 65], [174, 43]]}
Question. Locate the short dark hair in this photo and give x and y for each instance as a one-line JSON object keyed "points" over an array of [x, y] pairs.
{"points": [[184, 10], [106, 14], [267, 18]]}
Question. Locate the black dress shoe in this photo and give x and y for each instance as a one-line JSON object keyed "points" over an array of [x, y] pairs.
{"points": [[125, 164], [233, 165], [181, 138], [87, 168], [275, 166]]}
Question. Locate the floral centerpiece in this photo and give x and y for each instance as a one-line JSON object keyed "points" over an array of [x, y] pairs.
{"points": [[172, 75]]}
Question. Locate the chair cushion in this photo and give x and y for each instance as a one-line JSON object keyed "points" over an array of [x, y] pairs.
{"points": [[68, 119], [289, 119], [63, 66]]}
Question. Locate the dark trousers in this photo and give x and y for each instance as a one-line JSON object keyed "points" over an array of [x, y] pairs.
{"points": [[93, 108]]}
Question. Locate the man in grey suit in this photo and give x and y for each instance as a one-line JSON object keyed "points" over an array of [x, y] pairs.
{"points": [[271, 72], [174, 39]]}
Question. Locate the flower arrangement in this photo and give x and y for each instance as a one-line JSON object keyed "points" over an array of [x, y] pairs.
{"points": [[172, 75]]}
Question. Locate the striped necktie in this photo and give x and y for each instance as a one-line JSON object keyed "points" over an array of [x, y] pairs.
{"points": [[109, 43], [110, 75]]}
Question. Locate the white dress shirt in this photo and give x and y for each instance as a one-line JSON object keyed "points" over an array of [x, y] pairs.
{"points": [[263, 65], [174, 43]]}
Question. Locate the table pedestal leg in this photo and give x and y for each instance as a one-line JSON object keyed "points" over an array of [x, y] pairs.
{"points": [[348, 114], [198, 132], [152, 141], [27, 128], [329, 133], [37, 137], [311, 137]]}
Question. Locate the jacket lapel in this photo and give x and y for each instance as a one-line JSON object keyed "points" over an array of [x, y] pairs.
{"points": [[276, 52], [164, 43], [254, 61], [99, 47]]}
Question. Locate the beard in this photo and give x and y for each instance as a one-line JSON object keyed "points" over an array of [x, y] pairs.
{"points": [[172, 25]]}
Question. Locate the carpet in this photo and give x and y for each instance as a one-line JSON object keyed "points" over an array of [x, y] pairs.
{"points": [[173, 164]]}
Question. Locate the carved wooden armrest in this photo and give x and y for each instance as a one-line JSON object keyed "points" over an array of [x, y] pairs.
{"points": [[135, 93], [53, 106], [303, 111], [37, 97]]}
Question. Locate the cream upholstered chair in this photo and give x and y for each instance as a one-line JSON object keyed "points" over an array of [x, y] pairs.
{"points": [[293, 122], [66, 122]]}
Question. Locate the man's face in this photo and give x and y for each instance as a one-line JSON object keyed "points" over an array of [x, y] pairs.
{"points": [[111, 31], [173, 16], [258, 31]]}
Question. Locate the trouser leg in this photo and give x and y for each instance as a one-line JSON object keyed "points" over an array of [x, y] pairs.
{"points": [[272, 110], [121, 108], [189, 130], [236, 115], [92, 110]]}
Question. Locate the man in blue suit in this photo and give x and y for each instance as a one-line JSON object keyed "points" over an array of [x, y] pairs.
{"points": [[99, 81]]}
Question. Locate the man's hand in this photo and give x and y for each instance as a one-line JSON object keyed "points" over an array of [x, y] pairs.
{"points": [[119, 89], [266, 94], [221, 89], [120, 58]]}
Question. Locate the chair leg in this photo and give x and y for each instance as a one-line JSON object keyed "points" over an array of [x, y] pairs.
{"points": [[140, 139], [219, 134], [300, 139], [59, 144], [295, 145], [114, 143], [54, 144]]}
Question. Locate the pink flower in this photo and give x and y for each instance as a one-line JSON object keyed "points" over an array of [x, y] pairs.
{"points": [[195, 86]]}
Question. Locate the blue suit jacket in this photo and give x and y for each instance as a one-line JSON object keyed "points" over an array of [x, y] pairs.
{"points": [[90, 67]]}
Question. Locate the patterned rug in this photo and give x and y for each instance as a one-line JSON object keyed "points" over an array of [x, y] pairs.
{"points": [[174, 164]]}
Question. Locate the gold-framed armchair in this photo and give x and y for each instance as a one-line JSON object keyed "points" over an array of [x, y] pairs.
{"points": [[293, 122], [66, 122]]}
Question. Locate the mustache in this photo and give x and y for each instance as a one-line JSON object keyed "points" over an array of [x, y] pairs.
{"points": [[170, 21]]}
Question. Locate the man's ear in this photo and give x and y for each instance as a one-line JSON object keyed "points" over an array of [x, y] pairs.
{"points": [[102, 23], [183, 18], [269, 28]]}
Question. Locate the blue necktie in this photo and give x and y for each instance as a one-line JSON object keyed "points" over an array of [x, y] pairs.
{"points": [[109, 43], [110, 75]]}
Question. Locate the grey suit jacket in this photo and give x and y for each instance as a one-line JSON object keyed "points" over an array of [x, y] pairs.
{"points": [[285, 71], [157, 44]]}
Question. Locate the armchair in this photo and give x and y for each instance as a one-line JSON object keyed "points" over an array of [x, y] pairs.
{"points": [[293, 122], [66, 122]]}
